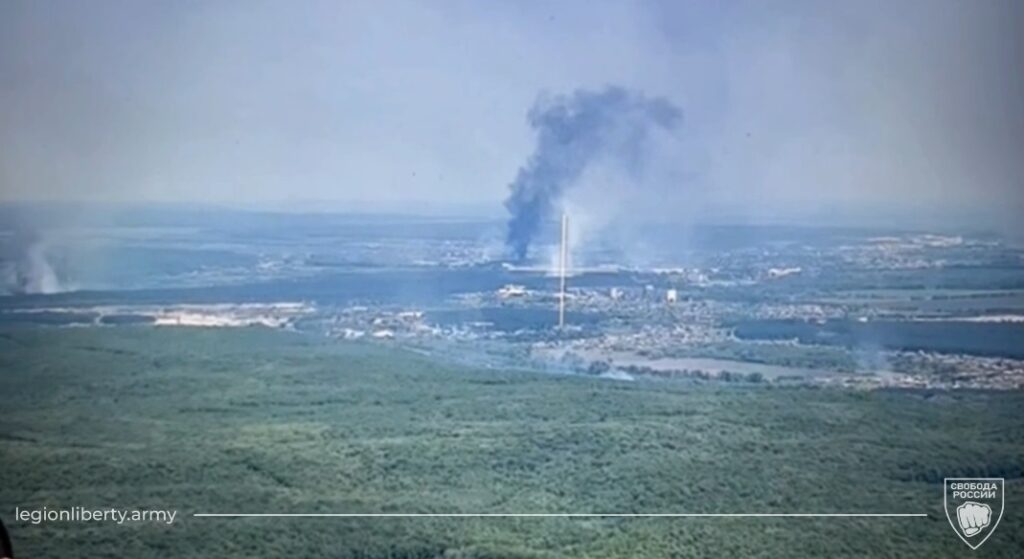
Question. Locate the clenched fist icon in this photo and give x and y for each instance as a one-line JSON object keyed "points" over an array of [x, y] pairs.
{"points": [[973, 517]]}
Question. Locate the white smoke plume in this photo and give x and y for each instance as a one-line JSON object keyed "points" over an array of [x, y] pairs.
{"points": [[30, 270]]}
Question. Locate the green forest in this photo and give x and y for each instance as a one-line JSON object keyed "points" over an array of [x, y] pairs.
{"points": [[255, 420]]}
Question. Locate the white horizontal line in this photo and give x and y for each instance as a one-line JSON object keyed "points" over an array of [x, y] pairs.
{"points": [[567, 515]]}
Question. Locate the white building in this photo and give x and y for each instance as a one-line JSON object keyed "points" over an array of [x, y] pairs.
{"points": [[511, 290]]}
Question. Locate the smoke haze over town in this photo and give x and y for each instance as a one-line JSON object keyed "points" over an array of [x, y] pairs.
{"points": [[793, 111], [603, 279]]}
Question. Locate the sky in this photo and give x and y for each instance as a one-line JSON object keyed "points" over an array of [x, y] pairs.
{"points": [[791, 109]]}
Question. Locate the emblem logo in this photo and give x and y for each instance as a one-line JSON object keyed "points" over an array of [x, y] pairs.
{"points": [[974, 507]]}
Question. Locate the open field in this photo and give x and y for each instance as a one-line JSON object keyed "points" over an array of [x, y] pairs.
{"points": [[999, 339], [254, 420]]}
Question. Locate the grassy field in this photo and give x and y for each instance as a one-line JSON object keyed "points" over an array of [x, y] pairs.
{"points": [[252, 420]]}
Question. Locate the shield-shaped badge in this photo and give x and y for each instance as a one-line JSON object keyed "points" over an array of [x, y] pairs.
{"points": [[974, 507]]}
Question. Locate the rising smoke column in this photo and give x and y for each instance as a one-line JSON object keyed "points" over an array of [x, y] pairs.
{"points": [[574, 132], [26, 268], [35, 273]]}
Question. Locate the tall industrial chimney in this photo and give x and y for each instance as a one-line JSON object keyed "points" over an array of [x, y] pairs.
{"points": [[563, 257]]}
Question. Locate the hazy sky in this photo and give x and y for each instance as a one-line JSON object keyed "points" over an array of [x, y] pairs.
{"points": [[790, 108]]}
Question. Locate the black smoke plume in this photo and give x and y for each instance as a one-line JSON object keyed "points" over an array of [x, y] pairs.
{"points": [[574, 131]]}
